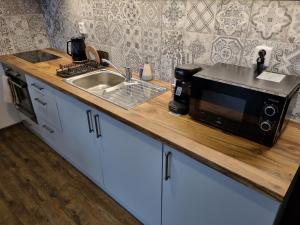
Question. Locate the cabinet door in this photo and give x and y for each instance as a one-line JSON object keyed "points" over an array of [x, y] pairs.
{"points": [[196, 194], [132, 168], [79, 137]]}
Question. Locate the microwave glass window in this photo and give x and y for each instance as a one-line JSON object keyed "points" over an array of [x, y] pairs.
{"points": [[224, 105]]}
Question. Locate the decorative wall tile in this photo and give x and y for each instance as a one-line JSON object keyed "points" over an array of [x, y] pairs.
{"points": [[86, 9], [201, 15], [4, 29], [171, 53], [280, 50], [151, 13], [173, 14], [6, 46], [290, 63], [249, 51], [270, 20], [115, 11], [22, 42], [35, 23], [100, 10], [40, 40], [17, 24], [197, 48], [116, 32], [133, 38], [151, 41], [233, 17], [226, 50], [132, 12], [133, 59], [294, 32], [102, 32], [117, 57]]}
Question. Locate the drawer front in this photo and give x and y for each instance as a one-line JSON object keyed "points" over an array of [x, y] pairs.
{"points": [[50, 134], [44, 103]]}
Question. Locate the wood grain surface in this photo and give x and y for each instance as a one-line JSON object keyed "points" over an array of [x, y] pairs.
{"points": [[269, 170], [37, 186]]}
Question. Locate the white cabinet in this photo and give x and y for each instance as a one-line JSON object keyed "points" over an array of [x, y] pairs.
{"points": [[81, 136], [132, 168], [194, 194]]}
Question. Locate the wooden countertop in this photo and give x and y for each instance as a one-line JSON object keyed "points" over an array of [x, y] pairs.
{"points": [[269, 170]]}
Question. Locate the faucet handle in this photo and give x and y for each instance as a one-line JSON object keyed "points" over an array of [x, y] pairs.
{"points": [[128, 73]]}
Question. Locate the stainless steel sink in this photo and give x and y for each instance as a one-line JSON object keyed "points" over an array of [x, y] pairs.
{"points": [[112, 87]]}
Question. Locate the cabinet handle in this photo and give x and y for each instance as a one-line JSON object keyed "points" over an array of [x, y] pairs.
{"points": [[37, 87], [40, 102], [89, 117], [98, 127], [48, 129], [167, 166]]}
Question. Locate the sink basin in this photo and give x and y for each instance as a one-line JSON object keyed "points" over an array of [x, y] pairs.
{"points": [[112, 87], [98, 79]]}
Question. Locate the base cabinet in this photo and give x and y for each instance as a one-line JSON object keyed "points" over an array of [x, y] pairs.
{"points": [[132, 167], [82, 143], [194, 194]]}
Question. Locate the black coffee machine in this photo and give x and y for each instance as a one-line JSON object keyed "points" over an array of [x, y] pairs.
{"points": [[183, 75], [77, 49]]}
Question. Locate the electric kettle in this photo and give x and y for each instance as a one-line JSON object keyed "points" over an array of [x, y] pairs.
{"points": [[77, 50]]}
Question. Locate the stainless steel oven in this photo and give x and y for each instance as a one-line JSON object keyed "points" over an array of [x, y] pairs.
{"points": [[20, 93]]}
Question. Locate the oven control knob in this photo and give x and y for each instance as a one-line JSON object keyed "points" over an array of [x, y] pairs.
{"points": [[266, 126], [270, 110]]}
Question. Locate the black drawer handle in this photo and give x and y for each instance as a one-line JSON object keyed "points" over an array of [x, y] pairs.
{"points": [[40, 102], [37, 87], [48, 129]]}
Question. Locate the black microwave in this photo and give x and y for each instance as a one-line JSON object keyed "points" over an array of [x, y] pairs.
{"points": [[233, 99]]}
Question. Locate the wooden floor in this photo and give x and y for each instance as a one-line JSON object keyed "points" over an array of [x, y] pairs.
{"points": [[38, 187]]}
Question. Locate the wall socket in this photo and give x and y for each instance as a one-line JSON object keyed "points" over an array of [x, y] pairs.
{"points": [[267, 57], [82, 28]]}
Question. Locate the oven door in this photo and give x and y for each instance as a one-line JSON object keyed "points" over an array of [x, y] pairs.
{"points": [[21, 97], [231, 108]]}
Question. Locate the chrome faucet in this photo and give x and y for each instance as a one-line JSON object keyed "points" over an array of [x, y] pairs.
{"points": [[128, 72]]}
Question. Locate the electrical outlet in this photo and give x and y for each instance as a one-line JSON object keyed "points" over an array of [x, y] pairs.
{"points": [[82, 28], [267, 57]]}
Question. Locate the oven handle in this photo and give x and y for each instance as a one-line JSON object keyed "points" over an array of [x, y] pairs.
{"points": [[17, 85], [16, 99]]}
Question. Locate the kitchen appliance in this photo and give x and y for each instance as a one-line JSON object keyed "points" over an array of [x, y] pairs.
{"points": [[36, 56], [183, 75], [20, 93], [232, 98], [77, 49]]}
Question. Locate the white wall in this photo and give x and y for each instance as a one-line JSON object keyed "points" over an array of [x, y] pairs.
{"points": [[8, 113]]}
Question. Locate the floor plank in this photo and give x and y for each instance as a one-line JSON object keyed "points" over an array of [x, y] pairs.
{"points": [[38, 187]]}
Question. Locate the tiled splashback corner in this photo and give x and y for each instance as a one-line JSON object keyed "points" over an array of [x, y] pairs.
{"points": [[21, 26]]}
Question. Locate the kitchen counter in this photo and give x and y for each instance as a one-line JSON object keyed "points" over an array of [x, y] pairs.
{"points": [[268, 170]]}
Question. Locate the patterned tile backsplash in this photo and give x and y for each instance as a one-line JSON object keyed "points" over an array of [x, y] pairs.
{"points": [[164, 32], [22, 26]]}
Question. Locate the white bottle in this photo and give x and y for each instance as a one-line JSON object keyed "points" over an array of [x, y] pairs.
{"points": [[147, 72]]}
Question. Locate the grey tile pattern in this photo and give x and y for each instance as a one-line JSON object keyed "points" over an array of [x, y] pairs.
{"points": [[201, 15], [167, 32], [270, 20], [22, 26], [226, 50], [173, 14], [233, 17]]}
